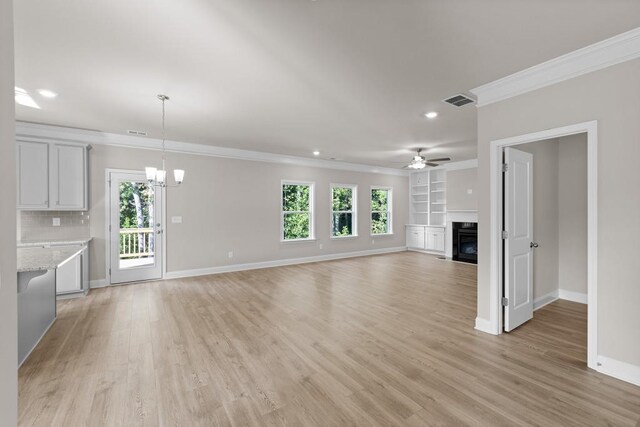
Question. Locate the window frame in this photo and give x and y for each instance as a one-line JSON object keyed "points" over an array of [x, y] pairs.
{"points": [[311, 212], [389, 210], [353, 211]]}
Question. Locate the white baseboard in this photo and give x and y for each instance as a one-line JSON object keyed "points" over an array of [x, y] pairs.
{"points": [[484, 325], [100, 283], [278, 263], [573, 296], [540, 302], [621, 370]]}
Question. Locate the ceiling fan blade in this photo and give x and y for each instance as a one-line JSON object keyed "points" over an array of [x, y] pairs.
{"points": [[433, 165], [441, 159]]}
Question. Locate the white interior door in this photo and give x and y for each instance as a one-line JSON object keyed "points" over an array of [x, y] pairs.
{"points": [[135, 229], [518, 218]]}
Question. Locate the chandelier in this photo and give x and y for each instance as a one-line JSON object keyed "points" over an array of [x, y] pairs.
{"points": [[158, 177]]}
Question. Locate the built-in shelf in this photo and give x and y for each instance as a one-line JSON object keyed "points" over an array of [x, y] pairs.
{"points": [[428, 201]]}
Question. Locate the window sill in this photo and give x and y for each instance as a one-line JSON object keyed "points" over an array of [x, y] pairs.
{"points": [[310, 239], [354, 236], [381, 234]]}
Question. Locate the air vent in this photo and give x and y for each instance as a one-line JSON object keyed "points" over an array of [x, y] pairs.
{"points": [[459, 100], [136, 133]]}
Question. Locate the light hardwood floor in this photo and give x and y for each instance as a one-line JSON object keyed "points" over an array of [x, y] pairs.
{"points": [[384, 340]]}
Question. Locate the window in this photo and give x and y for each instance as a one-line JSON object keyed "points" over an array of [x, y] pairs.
{"points": [[297, 211], [343, 210], [381, 202]]}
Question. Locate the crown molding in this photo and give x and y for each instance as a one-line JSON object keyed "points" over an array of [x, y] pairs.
{"points": [[615, 50], [48, 133]]}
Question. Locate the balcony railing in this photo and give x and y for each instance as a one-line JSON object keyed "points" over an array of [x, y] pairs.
{"points": [[136, 243]]}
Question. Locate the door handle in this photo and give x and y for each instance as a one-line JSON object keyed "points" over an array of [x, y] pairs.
{"points": [[533, 245]]}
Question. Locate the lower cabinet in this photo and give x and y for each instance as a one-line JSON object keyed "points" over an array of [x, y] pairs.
{"points": [[434, 239], [415, 237], [426, 238], [73, 276]]}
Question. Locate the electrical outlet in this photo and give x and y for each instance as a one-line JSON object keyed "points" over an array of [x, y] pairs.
{"points": [[230, 254], [176, 220], [373, 241], [320, 245], [469, 191], [56, 222]]}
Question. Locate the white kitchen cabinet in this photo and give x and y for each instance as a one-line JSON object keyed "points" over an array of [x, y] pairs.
{"points": [[68, 177], [415, 237], [69, 276], [52, 176], [434, 239], [33, 175]]}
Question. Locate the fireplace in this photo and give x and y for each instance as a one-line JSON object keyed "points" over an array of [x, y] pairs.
{"points": [[464, 242]]}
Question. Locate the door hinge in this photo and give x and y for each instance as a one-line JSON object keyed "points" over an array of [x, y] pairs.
{"points": [[109, 227], [505, 302], [109, 271], [505, 167], [505, 234]]}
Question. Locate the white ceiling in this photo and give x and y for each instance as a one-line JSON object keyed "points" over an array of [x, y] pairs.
{"points": [[351, 78]]}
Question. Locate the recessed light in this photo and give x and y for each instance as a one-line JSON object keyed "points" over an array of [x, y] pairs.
{"points": [[47, 93], [431, 115], [316, 153]]}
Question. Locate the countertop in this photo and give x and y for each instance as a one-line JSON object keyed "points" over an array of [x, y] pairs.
{"points": [[35, 243], [424, 225], [39, 258]]}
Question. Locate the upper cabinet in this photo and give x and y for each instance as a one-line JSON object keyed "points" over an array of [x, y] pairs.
{"points": [[52, 176]]}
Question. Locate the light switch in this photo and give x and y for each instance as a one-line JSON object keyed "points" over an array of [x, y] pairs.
{"points": [[469, 191], [56, 222], [176, 220]]}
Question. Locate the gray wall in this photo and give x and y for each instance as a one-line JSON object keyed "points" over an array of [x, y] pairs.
{"points": [[609, 96], [545, 214], [572, 241], [234, 205], [8, 287], [458, 184]]}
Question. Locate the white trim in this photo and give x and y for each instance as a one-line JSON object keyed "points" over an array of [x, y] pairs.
{"points": [[37, 132], [484, 325], [546, 299], [621, 370], [99, 283], [580, 297], [495, 225], [279, 263], [615, 50]]}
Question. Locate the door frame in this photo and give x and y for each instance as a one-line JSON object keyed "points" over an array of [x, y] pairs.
{"points": [[107, 207], [496, 220]]}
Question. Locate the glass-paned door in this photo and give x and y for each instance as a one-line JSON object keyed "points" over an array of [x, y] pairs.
{"points": [[135, 228]]}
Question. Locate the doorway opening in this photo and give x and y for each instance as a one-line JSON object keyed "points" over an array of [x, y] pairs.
{"points": [[135, 228], [512, 238], [545, 249]]}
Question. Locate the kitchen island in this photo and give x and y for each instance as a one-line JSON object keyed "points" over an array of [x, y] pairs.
{"points": [[37, 293]]}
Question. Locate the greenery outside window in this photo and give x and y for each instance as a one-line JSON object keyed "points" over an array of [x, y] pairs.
{"points": [[343, 210], [296, 218], [381, 209]]}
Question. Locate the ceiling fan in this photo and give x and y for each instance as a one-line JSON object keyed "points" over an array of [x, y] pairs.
{"points": [[420, 162]]}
